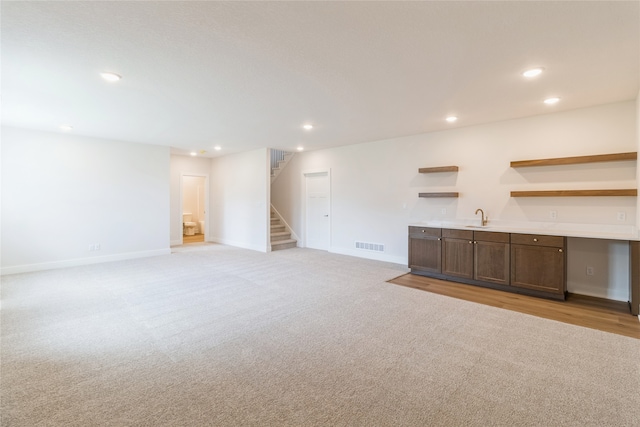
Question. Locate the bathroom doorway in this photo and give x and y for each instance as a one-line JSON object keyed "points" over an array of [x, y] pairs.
{"points": [[195, 206]]}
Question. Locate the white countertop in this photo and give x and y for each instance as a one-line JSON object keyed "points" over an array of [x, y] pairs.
{"points": [[588, 231]]}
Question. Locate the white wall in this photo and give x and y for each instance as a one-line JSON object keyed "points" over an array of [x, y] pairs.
{"points": [[183, 165], [375, 185], [240, 200], [62, 193]]}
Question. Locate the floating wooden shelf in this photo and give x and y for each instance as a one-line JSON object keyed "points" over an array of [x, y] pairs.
{"points": [[575, 193], [576, 160], [451, 194], [615, 157], [439, 169]]}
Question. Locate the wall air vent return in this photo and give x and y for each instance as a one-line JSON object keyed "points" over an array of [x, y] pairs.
{"points": [[375, 247]]}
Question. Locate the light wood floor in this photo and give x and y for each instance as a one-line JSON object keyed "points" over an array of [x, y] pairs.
{"points": [[196, 238], [595, 313]]}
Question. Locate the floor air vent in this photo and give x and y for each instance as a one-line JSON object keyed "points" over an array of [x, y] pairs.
{"points": [[376, 247]]}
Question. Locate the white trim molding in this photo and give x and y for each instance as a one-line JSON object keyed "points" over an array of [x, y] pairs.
{"points": [[370, 255], [242, 245], [28, 268]]}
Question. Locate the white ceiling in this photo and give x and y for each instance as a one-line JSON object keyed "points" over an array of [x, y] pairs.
{"points": [[245, 75]]}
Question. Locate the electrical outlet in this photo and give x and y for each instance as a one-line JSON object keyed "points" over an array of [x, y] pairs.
{"points": [[590, 271], [97, 246], [553, 214], [622, 216], [443, 211]]}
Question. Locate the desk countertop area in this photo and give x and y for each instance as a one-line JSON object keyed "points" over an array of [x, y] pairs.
{"points": [[587, 231]]}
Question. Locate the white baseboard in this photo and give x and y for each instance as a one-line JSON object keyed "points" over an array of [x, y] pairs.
{"points": [[237, 244], [27, 268], [369, 255], [614, 296], [176, 242]]}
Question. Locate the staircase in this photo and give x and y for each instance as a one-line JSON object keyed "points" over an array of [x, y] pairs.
{"points": [[279, 159], [280, 237]]}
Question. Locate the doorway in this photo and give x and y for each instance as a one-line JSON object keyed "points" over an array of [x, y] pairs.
{"points": [[317, 201], [195, 205]]}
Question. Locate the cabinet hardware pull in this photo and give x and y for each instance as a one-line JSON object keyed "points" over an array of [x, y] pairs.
{"points": [[559, 250], [535, 240], [439, 238], [470, 242], [422, 231], [475, 243]]}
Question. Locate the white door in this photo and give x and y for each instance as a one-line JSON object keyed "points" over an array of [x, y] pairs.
{"points": [[317, 197]]}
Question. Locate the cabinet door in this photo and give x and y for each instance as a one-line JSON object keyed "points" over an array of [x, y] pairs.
{"points": [[457, 257], [425, 253], [492, 262], [538, 267]]}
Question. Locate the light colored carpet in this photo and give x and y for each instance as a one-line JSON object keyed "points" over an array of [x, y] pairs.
{"points": [[218, 336]]}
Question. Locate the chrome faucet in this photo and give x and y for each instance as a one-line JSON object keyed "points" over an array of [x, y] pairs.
{"points": [[484, 220]]}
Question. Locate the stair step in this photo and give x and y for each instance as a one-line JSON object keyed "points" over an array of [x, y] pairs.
{"points": [[277, 228], [283, 244], [275, 221], [282, 235]]}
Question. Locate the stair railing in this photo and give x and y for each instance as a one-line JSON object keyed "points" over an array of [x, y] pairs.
{"points": [[277, 156]]}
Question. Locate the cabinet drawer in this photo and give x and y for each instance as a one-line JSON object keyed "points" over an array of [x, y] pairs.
{"points": [[457, 234], [418, 232], [491, 236], [538, 240]]}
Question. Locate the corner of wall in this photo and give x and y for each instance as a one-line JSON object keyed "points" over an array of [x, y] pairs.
{"points": [[239, 208], [92, 187]]}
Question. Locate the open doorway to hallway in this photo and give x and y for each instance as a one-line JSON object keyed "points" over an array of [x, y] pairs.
{"points": [[194, 208]]}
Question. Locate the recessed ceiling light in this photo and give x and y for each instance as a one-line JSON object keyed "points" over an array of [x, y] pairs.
{"points": [[308, 127], [451, 119], [110, 77], [193, 153], [66, 127], [217, 148], [300, 148], [551, 101], [533, 72]]}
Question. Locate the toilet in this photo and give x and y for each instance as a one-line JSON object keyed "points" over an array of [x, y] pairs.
{"points": [[188, 226]]}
